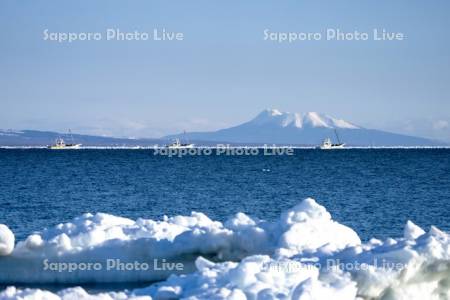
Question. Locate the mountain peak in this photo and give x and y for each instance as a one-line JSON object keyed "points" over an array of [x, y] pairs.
{"points": [[273, 112], [275, 117]]}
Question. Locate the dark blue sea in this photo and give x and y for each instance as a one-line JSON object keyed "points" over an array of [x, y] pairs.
{"points": [[374, 191]]}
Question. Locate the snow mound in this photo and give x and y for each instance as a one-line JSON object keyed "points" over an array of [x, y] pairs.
{"points": [[303, 255], [6, 240], [101, 239], [255, 277], [308, 227]]}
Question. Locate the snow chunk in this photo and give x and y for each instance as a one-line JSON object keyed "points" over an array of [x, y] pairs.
{"points": [[412, 231], [294, 264], [6, 240], [308, 227], [34, 241], [255, 277], [180, 239]]}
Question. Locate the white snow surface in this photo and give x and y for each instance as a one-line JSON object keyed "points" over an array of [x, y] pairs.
{"points": [[302, 255], [277, 118], [6, 240]]}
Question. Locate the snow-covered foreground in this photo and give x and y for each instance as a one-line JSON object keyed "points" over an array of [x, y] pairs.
{"points": [[303, 255]]}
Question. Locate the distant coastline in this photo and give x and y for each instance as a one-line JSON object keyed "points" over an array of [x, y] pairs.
{"points": [[236, 146]]}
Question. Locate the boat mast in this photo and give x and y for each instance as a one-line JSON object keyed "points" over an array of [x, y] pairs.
{"points": [[337, 136], [184, 133], [71, 136]]}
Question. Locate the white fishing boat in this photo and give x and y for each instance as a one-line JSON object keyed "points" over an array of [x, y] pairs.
{"points": [[328, 144], [60, 144], [177, 144]]}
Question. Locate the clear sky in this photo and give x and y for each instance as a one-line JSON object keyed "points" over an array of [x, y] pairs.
{"points": [[223, 72]]}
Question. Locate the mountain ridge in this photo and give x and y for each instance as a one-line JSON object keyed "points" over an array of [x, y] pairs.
{"points": [[43, 138], [272, 126]]}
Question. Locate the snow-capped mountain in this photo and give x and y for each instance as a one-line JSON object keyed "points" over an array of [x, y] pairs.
{"points": [[308, 120], [274, 126]]}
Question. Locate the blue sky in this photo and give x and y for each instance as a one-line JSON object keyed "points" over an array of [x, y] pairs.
{"points": [[223, 72]]}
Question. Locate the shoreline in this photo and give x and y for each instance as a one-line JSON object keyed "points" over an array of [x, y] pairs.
{"points": [[228, 147]]}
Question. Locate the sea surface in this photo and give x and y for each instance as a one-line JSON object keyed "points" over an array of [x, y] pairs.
{"points": [[374, 191]]}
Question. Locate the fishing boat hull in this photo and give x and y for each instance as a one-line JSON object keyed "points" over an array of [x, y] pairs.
{"points": [[65, 147], [190, 146], [177, 144], [331, 147]]}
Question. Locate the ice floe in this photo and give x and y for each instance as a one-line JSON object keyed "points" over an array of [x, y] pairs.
{"points": [[302, 255]]}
